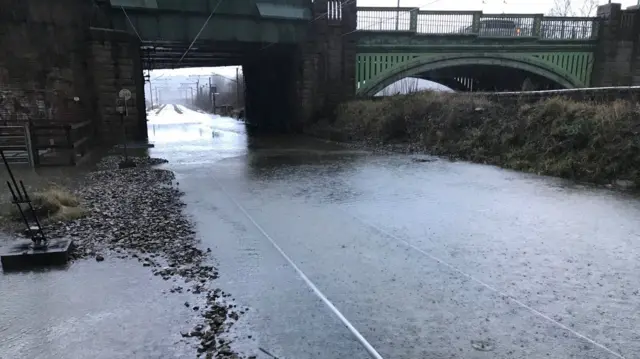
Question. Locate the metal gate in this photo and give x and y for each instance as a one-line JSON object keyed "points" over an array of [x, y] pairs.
{"points": [[52, 123]]}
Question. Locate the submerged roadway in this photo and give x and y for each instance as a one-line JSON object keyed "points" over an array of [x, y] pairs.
{"points": [[347, 254], [340, 253]]}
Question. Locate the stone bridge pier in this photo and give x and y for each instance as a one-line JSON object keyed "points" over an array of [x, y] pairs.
{"points": [[270, 88], [289, 86], [618, 53]]}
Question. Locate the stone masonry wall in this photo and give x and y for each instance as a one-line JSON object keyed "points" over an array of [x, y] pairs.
{"points": [[42, 58], [618, 53], [116, 64], [326, 74]]}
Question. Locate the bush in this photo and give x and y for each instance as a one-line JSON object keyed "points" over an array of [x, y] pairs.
{"points": [[556, 136]]}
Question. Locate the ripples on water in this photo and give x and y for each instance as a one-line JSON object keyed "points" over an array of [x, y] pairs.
{"points": [[568, 251]]}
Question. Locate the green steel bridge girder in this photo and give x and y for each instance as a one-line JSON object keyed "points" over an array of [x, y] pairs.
{"points": [[179, 21], [383, 58], [375, 71]]}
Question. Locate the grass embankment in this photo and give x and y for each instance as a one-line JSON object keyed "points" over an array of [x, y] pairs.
{"points": [[579, 140]]}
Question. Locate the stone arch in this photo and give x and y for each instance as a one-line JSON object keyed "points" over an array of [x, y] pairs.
{"points": [[422, 64]]}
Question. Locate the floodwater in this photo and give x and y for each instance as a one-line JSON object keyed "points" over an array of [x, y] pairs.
{"points": [[113, 309], [425, 259], [431, 259]]}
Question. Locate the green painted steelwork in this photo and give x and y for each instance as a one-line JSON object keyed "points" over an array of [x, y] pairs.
{"points": [[288, 8], [146, 4], [393, 43], [375, 71], [281, 12], [406, 42], [250, 21]]}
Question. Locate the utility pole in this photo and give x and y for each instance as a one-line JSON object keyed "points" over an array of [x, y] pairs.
{"points": [[398, 17], [158, 90], [189, 86], [197, 91], [211, 95], [160, 85], [238, 87], [215, 92], [150, 88]]}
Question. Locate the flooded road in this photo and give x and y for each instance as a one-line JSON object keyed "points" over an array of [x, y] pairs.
{"points": [[114, 309], [424, 259]]}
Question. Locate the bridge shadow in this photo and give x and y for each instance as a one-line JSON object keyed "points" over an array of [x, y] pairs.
{"points": [[277, 156]]}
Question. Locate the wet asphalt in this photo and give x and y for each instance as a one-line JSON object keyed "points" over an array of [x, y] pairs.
{"points": [[431, 259]]}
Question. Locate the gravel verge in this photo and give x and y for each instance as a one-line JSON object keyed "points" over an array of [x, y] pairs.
{"points": [[137, 213]]}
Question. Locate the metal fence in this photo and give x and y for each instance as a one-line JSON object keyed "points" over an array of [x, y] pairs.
{"points": [[43, 126], [562, 28], [384, 19], [476, 23]]}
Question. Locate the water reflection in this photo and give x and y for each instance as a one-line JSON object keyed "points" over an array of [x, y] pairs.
{"points": [[568, 251]]}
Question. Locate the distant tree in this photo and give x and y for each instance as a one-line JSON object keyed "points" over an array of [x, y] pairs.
{"points": [[409, 85], [387, 91], [569, 8]]}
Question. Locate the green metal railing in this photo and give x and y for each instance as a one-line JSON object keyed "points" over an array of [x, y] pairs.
{"points": [[476, 23]]}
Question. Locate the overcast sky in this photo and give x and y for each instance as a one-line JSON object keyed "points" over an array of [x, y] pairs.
{"points": [[488, 6]]}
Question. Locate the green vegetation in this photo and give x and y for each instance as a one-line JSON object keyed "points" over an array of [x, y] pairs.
{"points": [[578, 140]]}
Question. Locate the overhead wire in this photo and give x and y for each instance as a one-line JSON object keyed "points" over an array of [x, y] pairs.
{"points": [[131, 23], [200, 32], [224, 77], [321, 16]]}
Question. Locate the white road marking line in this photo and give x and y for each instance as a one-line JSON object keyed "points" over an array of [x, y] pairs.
{"points": [[369, 348], [488, 286]]}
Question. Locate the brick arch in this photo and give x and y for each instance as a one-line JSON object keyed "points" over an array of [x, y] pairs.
{"points": [[419, 65]]}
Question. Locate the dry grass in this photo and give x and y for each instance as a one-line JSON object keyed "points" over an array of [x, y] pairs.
{"points": [[566, 138], [54, 203]]}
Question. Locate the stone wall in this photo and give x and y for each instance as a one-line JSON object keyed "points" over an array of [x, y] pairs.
{"points": [[618, 54], [115, 64], [270, 89], [288, 87], [55, 67], [42, 61], [326, 73]]}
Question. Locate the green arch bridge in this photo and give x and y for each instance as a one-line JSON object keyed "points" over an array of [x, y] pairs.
{"points": [[473, 51], [464, 50], [301, 58]]}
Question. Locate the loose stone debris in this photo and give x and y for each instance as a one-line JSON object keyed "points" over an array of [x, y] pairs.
{"points": [[137, 213], [482, 345]]}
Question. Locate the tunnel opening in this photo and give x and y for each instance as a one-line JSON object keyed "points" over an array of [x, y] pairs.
{"points": [[490, 78], [256, 83], [471, 78]]}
